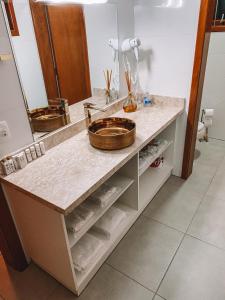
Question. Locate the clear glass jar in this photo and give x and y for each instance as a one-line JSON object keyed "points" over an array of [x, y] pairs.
{"points": [[130, 104]]}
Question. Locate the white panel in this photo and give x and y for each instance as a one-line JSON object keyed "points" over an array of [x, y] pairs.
{"points": [[167, 29], [27, 57], [12, 108], [101, 25], [214, 87]]}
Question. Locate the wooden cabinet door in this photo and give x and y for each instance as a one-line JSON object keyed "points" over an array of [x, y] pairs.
{"points": [[70, 48], [68, 42]]}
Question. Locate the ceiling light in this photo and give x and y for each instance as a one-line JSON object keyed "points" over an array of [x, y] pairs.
{"points": [[73, 1]]}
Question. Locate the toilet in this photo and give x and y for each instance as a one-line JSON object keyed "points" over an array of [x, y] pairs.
{"points": [[201, 131]]}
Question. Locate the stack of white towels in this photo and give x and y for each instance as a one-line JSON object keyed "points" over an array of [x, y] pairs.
{"points": [[86, 251], [103, 195], [108, 224], [78, 218], [83, 213]]}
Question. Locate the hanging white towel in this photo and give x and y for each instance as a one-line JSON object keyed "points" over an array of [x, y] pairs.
{"points": [[103, 195], [78, 218], [108, 224], [85, 251]]}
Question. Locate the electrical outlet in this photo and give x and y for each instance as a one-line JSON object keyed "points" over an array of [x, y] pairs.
{"points": [[5, 134]]}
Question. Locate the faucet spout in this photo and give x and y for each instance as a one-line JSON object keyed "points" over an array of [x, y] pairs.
{"points": [[87, 107]]}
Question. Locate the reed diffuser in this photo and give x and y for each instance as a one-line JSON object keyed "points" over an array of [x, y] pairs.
{"points": [[108, 80], [130, 104]]}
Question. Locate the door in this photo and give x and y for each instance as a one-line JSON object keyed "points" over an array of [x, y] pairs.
{"points": [[62, 43]]}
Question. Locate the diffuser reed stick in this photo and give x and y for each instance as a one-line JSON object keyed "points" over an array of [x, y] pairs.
{"points": [[108, 80], [128, 80]]}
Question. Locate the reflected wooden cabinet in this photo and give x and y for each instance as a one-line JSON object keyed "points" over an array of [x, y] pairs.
{"points": [[9, 8], [219, 18]]}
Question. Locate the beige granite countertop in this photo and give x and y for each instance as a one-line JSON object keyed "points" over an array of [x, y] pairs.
{"points": [[71, 171]]}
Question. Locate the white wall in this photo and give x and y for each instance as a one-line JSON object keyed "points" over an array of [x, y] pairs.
{"points": [[167, 29], [12, 108], [27, 57], [101, 25], [126, 30], [214, 84]]}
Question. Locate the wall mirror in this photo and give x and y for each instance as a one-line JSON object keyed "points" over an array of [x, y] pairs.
{"points": [[61, 52]]}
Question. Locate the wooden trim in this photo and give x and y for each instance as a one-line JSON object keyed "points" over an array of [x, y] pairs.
{"points": [[218, 28], [201, 53], [10, 245], [38, 12], [86, 60], [11, 17]]}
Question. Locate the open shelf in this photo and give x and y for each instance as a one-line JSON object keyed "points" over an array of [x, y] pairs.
{"points": [[84, 277], [151, 181], [151, 158], [116, 180]]}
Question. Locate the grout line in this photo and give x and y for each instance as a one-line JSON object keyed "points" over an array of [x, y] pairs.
{"points": [[186, 234], [171, 227], [134, 280], [205, 242], [158, 296]]}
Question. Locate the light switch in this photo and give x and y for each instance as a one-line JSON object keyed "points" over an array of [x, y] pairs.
{"points": [[4, 132]]}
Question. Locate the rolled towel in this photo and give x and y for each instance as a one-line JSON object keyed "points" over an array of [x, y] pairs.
{"points": [[78, 218], [208, 113], [109, 222], [103, 195], [85, 251]]}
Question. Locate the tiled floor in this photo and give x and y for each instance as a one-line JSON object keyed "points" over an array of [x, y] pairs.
{"points": [[175, 251]]}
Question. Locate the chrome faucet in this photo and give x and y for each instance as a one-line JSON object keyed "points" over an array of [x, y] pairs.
{"points": [[87, 107]]}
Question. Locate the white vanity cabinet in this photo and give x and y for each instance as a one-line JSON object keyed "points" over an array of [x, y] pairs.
{"points": [[43, 230]]}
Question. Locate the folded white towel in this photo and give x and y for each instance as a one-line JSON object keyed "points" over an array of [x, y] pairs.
{"points": [[103, 195], [85, 251], [110, 221], [78, 218]]}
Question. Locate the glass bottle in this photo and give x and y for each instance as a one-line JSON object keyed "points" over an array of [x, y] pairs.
{"points": [[130, 104]]}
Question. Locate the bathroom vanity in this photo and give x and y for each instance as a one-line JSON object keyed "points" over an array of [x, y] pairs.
{"points": [[43, 195]]}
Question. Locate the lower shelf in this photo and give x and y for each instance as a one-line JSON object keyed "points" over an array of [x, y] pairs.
{"points": [[151, 181], [123, 183], [84, 277], [154, 178]]}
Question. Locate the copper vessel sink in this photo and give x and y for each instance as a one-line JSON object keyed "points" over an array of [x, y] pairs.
{"points": [[112, 133]]}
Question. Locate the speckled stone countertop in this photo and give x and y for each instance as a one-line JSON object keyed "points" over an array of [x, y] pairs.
{"points": [[71, 171]]}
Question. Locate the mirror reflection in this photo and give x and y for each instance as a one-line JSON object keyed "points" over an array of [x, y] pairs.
{"points": [[65, 54]]}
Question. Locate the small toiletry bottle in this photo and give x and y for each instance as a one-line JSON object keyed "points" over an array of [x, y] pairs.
{"points": [[38, 149], [33, 152], [8, 166], [21, 160], [147, 100], [11, 165], [42, 146], [28, 155], [15, 162]]}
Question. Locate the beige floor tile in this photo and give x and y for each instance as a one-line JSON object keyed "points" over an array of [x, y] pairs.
{"points": [[217, 187], [158, 298], [196, 273], [108, 284], [174, 207], [145, 253], [209, 222]]}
